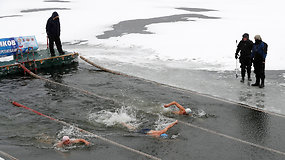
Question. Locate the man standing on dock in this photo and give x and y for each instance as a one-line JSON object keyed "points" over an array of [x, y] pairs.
{"points": [[259, 53], [244, 47], [53, 33]]}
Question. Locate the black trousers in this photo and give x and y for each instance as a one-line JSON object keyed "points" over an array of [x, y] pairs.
{"points": [[259, 70], [56, 40], [245, 65]]}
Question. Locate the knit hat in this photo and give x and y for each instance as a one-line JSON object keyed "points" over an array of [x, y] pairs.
{"points": [[246, 35], [257, 37]]}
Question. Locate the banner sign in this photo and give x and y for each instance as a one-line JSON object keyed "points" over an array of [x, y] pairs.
{"points": [[9, 46], [27, 41]]}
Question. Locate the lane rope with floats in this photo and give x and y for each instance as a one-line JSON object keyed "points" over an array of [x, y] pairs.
{"points": [[60, 84], [90, 133]]}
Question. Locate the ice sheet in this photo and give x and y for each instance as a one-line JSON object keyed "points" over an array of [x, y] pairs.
{"points": [[209, 41]]}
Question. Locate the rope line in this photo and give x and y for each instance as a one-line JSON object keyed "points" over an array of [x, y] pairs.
{"points": [[233, 138], [78, 89], [102, 68], [90, 133], [8, 155], [185, 90]]}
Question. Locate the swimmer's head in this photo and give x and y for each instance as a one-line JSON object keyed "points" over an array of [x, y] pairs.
{"points": [[164, 135], [65, 139], [188, 110]]}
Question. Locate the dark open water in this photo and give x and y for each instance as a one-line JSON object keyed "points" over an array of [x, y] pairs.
{"points": [[26, 135]]}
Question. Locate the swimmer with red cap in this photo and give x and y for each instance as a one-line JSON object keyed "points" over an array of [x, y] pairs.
{"points": [[66, 141], [181, 111]]}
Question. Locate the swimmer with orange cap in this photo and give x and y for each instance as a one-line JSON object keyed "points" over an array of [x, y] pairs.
{"points": [[66, 141], [181, 111]]}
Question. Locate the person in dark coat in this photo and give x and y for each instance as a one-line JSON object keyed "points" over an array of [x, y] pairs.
{"points": [[259, 53], [244, 47], [53, 33]]}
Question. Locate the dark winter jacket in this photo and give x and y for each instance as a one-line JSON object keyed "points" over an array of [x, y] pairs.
{"points": [[244, 47], [53, 26], [259, 51]]}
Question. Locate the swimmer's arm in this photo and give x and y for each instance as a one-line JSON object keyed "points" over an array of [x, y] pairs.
{"points": [[171, 125], [181, 108], [158, 133], [80, 140], [155, 133], [169, 104]]}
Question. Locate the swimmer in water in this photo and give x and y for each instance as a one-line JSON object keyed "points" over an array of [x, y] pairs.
{"points": [[181, 111], [154, 133], [66, 141]]}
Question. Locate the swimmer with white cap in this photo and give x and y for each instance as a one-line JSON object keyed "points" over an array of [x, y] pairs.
{"points": [[182, 110], [66, 141]]}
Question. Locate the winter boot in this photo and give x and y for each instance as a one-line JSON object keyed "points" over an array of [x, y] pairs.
{"points": [[256, 82], [262, 84], [242, 80]]}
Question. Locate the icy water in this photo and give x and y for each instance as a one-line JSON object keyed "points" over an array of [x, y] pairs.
{"points": [[25, 129], [192, 75], [136, 102]]}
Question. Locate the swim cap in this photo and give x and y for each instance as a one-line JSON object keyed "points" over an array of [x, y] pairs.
{"points": [[188, 110], [164, 135], [65, 138]]}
